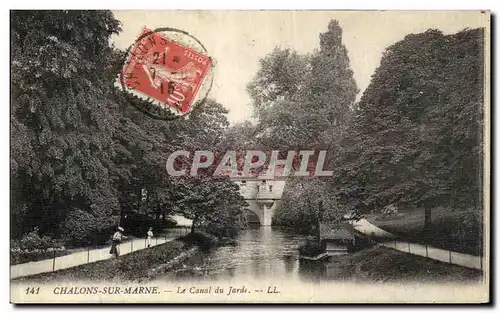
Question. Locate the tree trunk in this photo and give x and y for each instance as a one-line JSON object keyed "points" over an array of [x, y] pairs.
{"points": [[192, 226], [318, 221], [427, 218], [312, 219], [122, 215]]}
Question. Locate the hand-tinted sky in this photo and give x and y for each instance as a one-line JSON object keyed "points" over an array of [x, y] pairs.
{"points": [[238, 39]]}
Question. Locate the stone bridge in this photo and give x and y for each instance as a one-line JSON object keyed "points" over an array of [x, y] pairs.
{"points": [[263, 197]]}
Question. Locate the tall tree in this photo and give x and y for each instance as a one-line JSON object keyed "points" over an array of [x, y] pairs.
{"points": [[282, 75], [81, 154], [60, 105], [306, 204], [206, 199], [305, 102], [416, 140], [332, 88]]}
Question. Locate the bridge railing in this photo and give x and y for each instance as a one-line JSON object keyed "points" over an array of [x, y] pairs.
{"points": [[256, 190]]}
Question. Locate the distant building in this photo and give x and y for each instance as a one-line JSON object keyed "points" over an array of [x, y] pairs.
{"points": [[337, 238], [263, 195]]}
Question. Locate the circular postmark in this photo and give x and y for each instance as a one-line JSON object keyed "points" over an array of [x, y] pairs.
{"points": [[166, 73]]}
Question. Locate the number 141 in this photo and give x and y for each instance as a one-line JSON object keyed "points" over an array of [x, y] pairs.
{"points": [[32, 290]]}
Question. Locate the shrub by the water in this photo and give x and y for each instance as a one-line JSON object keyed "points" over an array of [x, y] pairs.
{"points": [[203, 240], [311, 248], [223, 231]]}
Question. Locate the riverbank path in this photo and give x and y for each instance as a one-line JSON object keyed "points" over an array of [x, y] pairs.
{"points": [[82, 257], [389, 240]]}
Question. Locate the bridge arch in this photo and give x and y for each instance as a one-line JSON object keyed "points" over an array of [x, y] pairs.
{"points": [[263, 197], [251, 217]]}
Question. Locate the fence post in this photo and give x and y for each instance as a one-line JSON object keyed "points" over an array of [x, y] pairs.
{"points": [[450, 254], [131, 245], [156, 241], [426, 252], [54, 260], [88, 254], [394, 243], [481, 261], [408, 247]]}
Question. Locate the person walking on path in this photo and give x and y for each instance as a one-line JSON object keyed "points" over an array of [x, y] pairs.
{"points": [[150, 236], [117, 238]]}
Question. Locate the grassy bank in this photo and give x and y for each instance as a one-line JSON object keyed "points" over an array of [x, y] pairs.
{"points": [[443, 233], [129, 267], [382, 264]]}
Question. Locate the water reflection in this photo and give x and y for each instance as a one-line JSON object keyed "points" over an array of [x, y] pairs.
{"points": [[311, 270], [261, 253], [289, 261]]}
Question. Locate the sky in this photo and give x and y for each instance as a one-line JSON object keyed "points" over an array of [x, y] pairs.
{"points": [[236, 40]]}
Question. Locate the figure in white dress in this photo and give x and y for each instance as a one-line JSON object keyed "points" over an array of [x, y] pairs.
{"points": [[150, 236]]}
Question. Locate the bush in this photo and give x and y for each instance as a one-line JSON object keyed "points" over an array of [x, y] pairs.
{"points": [[20, 256], [82, 228], [311, 248], [226, 224], [33, 242], [31, 247], [389, 211], [203, 240], [78, 228], [223, 230]]}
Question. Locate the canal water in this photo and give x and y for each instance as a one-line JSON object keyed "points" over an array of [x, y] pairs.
{"points": [[260, 253]]}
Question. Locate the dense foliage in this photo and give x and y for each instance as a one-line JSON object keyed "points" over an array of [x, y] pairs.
{"points": [[413, 141], [416, 141], [305, 102], [83, 160]]}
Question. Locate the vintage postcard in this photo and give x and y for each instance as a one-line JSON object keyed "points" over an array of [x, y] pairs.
{"points": [[250, 156]]}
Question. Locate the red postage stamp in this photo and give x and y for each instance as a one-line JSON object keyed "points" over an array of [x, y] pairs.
{"points": [[165, 72]]}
